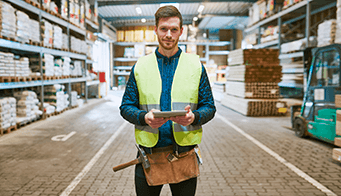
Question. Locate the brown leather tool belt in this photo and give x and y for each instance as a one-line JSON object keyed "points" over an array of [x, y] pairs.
{"points": [[168, 168]]}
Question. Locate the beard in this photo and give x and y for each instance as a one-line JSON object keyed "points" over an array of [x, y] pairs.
{"points": [[168, 44]]}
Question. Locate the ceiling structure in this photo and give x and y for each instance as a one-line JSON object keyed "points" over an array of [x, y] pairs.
{"points": [[217, 14]]}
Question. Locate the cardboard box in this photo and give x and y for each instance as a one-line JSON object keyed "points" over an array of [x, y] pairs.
{"points": [[337, 141], [129, 35], [139, 35], [120, 36], [150, 36], [337, 154]]}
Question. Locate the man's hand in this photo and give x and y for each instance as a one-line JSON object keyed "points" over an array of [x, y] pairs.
{"points": [[184, 120], [154, 122]]}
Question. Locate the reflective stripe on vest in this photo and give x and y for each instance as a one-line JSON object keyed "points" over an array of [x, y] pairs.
{"points": [[184, 92]]}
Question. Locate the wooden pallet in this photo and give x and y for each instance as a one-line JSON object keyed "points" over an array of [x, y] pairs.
{"points": [[33, 3], [47, 77], [9, 129], [35, 78], [8, 38], [15, 79], [287, 6], [49, 115], [35, 43]]}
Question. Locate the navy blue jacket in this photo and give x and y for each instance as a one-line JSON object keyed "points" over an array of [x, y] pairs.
{"points": [[130, 102]]}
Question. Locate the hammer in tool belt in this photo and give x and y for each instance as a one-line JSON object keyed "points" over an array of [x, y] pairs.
{"points": [[142, 158]]}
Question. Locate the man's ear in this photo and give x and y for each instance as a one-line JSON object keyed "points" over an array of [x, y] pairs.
{"points": [[181, 30], [155, 29]]}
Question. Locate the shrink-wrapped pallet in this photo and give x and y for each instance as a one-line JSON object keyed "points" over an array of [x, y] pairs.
{"points": [[54, 95], [82, 15], [89, 51], [64, 8], [326, 33], [23, 24], [34, 31], [7, 112], [47, 64], [27, 108], [338, 23], [76, 68], [7, 66], [22, 68], [8, 20], [57, 37], [74, 98], [66, 66], [65, 44], [47, 33], [58, 67]]}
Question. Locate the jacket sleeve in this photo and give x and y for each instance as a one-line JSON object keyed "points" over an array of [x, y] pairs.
{"points": [[129, 108], [206, 108]]}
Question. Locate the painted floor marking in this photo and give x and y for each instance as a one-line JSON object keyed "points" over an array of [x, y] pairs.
{"points": [[279, 158], [87, 168], [63, 138]]}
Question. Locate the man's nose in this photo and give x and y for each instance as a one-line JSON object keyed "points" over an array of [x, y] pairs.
{"points": [[169, 33]]}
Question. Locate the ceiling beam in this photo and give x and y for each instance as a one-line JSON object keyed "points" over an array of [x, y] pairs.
{"points": [[184, 17], [139, 2]]}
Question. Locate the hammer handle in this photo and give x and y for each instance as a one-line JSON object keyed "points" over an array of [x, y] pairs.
{"points": [[125, 165]]}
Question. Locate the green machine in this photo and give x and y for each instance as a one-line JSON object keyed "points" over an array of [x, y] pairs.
{"points": [[317, 114]]}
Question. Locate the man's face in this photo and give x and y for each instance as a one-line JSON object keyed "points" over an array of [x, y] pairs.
{"points": [[168, 32]]}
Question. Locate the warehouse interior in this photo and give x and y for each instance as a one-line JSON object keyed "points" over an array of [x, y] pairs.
{"points": [[268, 61]]}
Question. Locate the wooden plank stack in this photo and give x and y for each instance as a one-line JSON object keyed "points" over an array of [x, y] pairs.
{"points": [[252, 83]]}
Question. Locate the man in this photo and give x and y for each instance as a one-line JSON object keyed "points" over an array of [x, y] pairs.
{"points": [[166, 80]]}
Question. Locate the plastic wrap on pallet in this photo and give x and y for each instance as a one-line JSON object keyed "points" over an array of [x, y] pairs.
{"points": [[57, 37], [64, 9], [82, 16], [74, 98], [66, 66], [46, 4], [7, 67], [87, 10], [7, 112], [23, 24], [326, 33], [8, 20], [22, 68], [47, 33], [34, 31], [65, 44], [89, 51], [53, 7], [72, 10]]}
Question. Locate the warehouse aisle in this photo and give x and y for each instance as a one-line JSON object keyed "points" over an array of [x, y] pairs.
{"points": [[242, 156]]}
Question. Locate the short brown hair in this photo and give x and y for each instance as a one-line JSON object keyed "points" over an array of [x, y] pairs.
{"points": [[167, 11]]}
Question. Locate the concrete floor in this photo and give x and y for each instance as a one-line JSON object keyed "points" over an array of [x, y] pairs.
{"points": [[73, 154]]}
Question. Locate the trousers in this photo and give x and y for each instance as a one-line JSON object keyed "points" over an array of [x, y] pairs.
{"points": [[185, 188]]}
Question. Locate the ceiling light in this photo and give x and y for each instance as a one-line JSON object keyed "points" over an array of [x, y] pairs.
{"points": [[138, 10], [143, 20], [201, 8], [195, 18]]}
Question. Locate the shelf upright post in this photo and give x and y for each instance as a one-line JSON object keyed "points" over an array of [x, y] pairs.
{"points": [[69, 48], [307, 24], [279, 21], [207, 48], [259, 35], [41, 63]]}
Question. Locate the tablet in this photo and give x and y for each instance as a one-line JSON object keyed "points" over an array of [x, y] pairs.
{"points": [[166, 114]]}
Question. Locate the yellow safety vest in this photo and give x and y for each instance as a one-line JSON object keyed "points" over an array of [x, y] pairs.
{"points": [[185, 90]]}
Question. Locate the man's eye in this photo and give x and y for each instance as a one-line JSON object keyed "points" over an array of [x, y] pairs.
{"points": [[174, 30], [163, 29]]}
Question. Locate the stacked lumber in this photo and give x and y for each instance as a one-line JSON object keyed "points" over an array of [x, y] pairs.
{"points": [[264, 57], [252, 83], [254, 73], [253, 90], [255, 107], [337, 154]]}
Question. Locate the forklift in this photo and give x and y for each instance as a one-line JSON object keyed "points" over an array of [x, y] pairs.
{"points": [[316, 117]]}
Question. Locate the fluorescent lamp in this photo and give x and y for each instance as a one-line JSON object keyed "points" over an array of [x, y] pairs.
{"points": [[138, 10], [143, 20], [195, 18], [201, 8]]}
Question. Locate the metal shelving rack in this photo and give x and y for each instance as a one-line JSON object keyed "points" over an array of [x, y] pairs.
{"points": [[305, 4], [26, 48], [124, 59]]}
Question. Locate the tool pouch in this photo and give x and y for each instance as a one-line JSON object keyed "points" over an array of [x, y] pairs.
{"points": [[166, 168]]}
